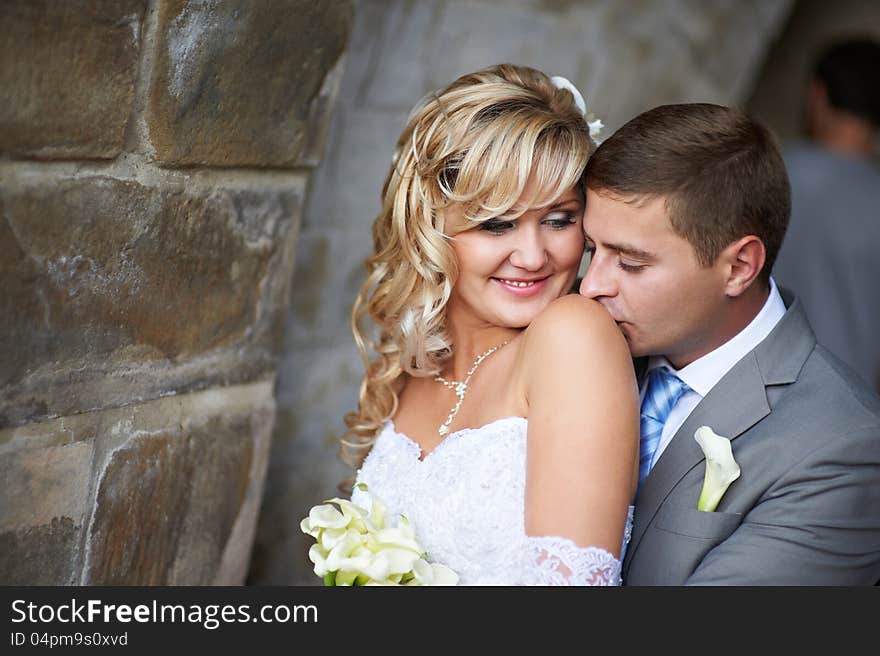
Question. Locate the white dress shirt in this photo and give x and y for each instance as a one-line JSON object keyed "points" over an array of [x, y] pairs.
{"points": [[703, 374]]}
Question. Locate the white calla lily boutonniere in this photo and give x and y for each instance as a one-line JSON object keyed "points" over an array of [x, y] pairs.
{"points": [[721, 468]]}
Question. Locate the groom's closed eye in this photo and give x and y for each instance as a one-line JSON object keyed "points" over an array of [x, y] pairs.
{"points": [[631, 268], [630, 259]]}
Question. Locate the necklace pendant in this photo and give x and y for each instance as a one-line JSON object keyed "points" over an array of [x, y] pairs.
{"points": [[461, 388]]}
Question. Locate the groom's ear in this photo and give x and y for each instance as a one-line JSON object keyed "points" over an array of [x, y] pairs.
{"points": [[742, 261]]}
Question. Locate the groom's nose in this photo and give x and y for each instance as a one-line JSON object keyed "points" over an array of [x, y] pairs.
{"points": [[597, 281]]}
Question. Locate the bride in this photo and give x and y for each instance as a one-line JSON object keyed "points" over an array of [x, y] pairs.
{"points": [[497, 413]]}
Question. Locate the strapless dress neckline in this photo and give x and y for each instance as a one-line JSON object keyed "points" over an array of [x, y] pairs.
{"points": [[454, 435]]}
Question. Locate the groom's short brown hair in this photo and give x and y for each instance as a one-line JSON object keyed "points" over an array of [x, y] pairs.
{"points": [[720, 171]]}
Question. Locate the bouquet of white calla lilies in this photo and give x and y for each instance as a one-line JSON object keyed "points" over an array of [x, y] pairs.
{"points": [[721, 468], [354, 546]]}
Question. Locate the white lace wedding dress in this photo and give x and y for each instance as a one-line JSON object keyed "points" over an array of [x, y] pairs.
{"points": [[466, 501]]}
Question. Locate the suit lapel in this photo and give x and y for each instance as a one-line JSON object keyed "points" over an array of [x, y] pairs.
{"points": [[736, 403]]}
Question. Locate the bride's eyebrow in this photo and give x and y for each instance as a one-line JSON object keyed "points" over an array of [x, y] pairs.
{"points": [[516, 213], [571, 200]]}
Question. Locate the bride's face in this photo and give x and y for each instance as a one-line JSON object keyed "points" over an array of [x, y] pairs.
{"points": [[511, 269]]}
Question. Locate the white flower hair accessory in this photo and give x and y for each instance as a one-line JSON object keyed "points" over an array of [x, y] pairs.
{"points": [[594, 123]]}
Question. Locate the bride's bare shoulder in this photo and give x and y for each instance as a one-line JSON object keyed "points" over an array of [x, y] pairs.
{"points": [[576, 322], [567, 344], [573, 329]]}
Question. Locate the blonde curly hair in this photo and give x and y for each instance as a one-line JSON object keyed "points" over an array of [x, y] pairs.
{"points": [[476, 143]]}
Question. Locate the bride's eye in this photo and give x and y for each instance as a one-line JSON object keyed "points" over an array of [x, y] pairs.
{"points": [[559, 220], [495, 226]]}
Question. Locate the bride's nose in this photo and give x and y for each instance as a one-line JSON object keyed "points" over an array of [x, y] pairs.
{"points": [[529, 252]]}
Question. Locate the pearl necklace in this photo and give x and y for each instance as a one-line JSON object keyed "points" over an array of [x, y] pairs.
{"points": [[460, 388]]}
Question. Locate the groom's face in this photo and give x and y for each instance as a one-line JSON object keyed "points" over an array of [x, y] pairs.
{"points": [[649, 280]]}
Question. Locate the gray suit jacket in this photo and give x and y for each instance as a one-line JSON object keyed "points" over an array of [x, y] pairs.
{"points": [[806, 507]]}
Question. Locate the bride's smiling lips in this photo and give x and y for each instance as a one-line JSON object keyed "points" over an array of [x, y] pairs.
{"points": [[523, 287]]}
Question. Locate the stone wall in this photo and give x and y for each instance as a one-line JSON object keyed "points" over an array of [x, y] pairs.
{"points": [[154, 158], [625, 56]]}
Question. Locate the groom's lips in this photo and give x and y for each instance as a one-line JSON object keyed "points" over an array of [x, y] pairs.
{"points": [[619, 322], [623, 327]]}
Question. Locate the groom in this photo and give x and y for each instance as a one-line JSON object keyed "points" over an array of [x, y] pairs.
{"points": [[686, 209]]}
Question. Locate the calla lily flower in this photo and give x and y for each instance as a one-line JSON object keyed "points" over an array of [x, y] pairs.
{"points": [[426, 573], [721, 468], [322, 517], [354, 546]]}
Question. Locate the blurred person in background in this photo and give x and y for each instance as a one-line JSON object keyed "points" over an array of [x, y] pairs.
{"points": [[829, 256]]}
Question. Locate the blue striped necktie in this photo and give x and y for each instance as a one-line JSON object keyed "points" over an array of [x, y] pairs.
{"points": [[662, 392]]}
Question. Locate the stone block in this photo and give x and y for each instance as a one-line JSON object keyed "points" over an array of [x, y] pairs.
{"points": [[67, 70], [165, 493], [47, 434], [236, 558], [175, 480], [39, 555], [117, 292], [40, 484], [238, 83], [43, 507]]}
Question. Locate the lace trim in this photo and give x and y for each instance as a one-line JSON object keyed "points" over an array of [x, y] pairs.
{"points": [[559, 561]]}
